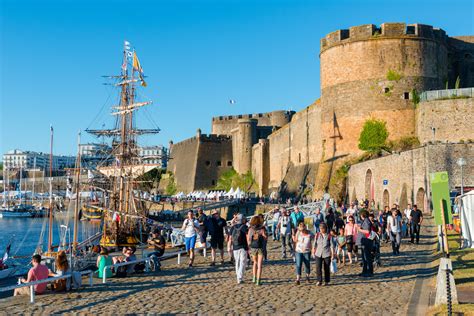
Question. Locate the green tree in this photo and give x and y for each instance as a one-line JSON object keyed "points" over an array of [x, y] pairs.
{"points": [[225, 181], [171, 187], [373, 136], [231, 179]]}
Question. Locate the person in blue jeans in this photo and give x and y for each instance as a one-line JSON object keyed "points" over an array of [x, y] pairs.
{"points": [[190, 228], [303, 240], [157, 244]]}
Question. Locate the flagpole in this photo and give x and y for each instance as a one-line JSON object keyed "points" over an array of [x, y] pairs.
{"points": [[50, 231]]}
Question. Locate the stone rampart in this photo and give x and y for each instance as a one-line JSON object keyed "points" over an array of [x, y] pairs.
{"points": [[404, 177], [452, 120]]}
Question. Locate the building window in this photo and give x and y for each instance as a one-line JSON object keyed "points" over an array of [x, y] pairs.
{"points": [[213, 182], [219, 163], [229, 163], [208, 163], [299, 157], [406, 95]]}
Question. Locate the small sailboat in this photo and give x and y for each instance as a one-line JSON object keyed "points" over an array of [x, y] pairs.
{"points": [[7, 270]]}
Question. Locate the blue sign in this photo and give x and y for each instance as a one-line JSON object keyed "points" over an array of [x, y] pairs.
{"points": [[385, 182]]}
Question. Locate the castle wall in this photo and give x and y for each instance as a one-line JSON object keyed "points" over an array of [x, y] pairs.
{"points": [[182, 163], [214, 158], [295, 151], [224, 125], [198, 162], [261, 165], [407, 174], [452, 119], [461, 61]]}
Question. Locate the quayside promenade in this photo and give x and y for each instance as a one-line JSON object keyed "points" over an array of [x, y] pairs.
{"points": [[400, 287]]}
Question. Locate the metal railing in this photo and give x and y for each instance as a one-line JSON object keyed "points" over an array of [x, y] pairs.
{"points": [[32, 284], [447, 94]]}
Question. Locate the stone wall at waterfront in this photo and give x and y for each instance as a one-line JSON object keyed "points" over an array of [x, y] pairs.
{"points": [[404, 177], [452, 119]]}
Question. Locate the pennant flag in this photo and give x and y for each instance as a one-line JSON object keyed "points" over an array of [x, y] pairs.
{"points": [[136, 63], [143, 83], [7, 252]]}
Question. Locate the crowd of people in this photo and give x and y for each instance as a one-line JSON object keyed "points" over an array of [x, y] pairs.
{"points": [[332, 239], [326, 238]]}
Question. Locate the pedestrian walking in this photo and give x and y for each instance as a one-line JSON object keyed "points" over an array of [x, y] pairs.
{"points": [[416, 218], [303, 240], [238, 239], [276, 217], [203, 231], [394, 227], [366, 244], [216, 228], [350, 231], [323, 254], [190, 227], [256, 237], [341, 247], [284, 226], [318, 218], [296, 217]]}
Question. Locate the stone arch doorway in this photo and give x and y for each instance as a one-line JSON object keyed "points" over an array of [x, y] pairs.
{"points": [[403, 197], [420, 199], [369, 187], [386, 198]]}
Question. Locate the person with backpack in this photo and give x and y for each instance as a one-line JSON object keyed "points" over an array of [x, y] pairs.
{"points": [[256, 240], [303, 240], [216, 228], [190, 227], [323, 254], [296, 217], [284, 226], [238, 240], [394, 228]]}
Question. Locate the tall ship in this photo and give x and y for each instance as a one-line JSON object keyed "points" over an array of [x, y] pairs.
{"points": [[121, 209]]}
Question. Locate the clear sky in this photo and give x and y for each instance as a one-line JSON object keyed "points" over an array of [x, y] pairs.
{"points": [[197, 55]]}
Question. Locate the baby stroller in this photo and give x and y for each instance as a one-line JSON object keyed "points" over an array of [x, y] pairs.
{"points": [[376, 251]]}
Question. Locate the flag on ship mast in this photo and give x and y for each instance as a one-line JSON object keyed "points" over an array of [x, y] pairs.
{"points": [[138, 67]]}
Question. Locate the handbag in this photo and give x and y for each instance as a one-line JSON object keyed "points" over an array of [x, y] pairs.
{"points": [[333, 266]]}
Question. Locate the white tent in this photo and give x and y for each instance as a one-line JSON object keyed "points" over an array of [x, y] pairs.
{"points": [[238, 194], [467, 219], [230, 193]]}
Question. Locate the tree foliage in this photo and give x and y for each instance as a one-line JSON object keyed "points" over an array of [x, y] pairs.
{"points": [[171, 187], [373, 136], [150, 180], [231, 179]]}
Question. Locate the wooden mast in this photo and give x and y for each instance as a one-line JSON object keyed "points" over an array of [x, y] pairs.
{"points": [[76, 208], [50, 230]]}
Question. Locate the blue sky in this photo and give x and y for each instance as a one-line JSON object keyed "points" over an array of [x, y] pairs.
{"points": [[197, 55]]}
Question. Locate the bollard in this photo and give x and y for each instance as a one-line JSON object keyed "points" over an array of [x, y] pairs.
{"points": [[32, 294], [179, 258], [104, 276], [205, 251]]}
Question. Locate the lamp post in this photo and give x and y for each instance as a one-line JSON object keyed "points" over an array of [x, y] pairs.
{"points": [[461, 162]]}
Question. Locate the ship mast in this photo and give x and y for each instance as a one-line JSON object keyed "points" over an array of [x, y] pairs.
{"points": [[76, 208], [50, 230]]}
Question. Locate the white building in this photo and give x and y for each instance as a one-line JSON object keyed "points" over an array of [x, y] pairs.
{"points": [[16, 158], [154, 155]]}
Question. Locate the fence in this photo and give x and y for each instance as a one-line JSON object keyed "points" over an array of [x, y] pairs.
{"points": [[32, 284], [447, 94]]}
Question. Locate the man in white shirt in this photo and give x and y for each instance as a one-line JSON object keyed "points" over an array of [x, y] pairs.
{"points": [[276, 217], [350, 212], [394, 228]]}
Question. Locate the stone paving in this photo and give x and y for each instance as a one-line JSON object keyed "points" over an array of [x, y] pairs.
{"points": [[213, 290]]}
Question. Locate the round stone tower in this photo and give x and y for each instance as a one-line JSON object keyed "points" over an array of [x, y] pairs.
{"points": [[370, 72], [280, 118], [246, 138]]}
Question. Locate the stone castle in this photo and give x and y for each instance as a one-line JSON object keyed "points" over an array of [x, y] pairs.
{"points": [[366, 72]]}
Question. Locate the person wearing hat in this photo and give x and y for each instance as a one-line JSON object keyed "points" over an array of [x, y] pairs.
{"points": [[157, 243], [216, 229], [104, 260]]}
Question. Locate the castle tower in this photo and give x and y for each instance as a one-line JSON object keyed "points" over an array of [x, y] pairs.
{"points": [[243, 139], [371, 72]]}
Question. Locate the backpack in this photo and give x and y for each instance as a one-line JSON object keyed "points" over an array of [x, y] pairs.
{"points": [[238, 236], [257, 239]]}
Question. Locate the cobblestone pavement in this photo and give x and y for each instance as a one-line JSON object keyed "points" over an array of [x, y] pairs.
{"points": [[213, 290]]}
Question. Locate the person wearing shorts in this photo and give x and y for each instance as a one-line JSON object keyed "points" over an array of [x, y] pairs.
{"points": [[350, 232], [217, 226], [190, 228]]}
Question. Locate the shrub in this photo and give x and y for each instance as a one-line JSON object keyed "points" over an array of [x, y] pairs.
{"points": [[415, 97], [373, 136], [171, 187], [231, 179], [392, 75], [404, 143]]}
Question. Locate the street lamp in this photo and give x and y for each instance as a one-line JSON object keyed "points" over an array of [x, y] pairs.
{"points": [[461, 162]]}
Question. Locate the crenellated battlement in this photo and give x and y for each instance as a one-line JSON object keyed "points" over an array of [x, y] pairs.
{"points": [[252, 116], [386, 30], [214, 138]]}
